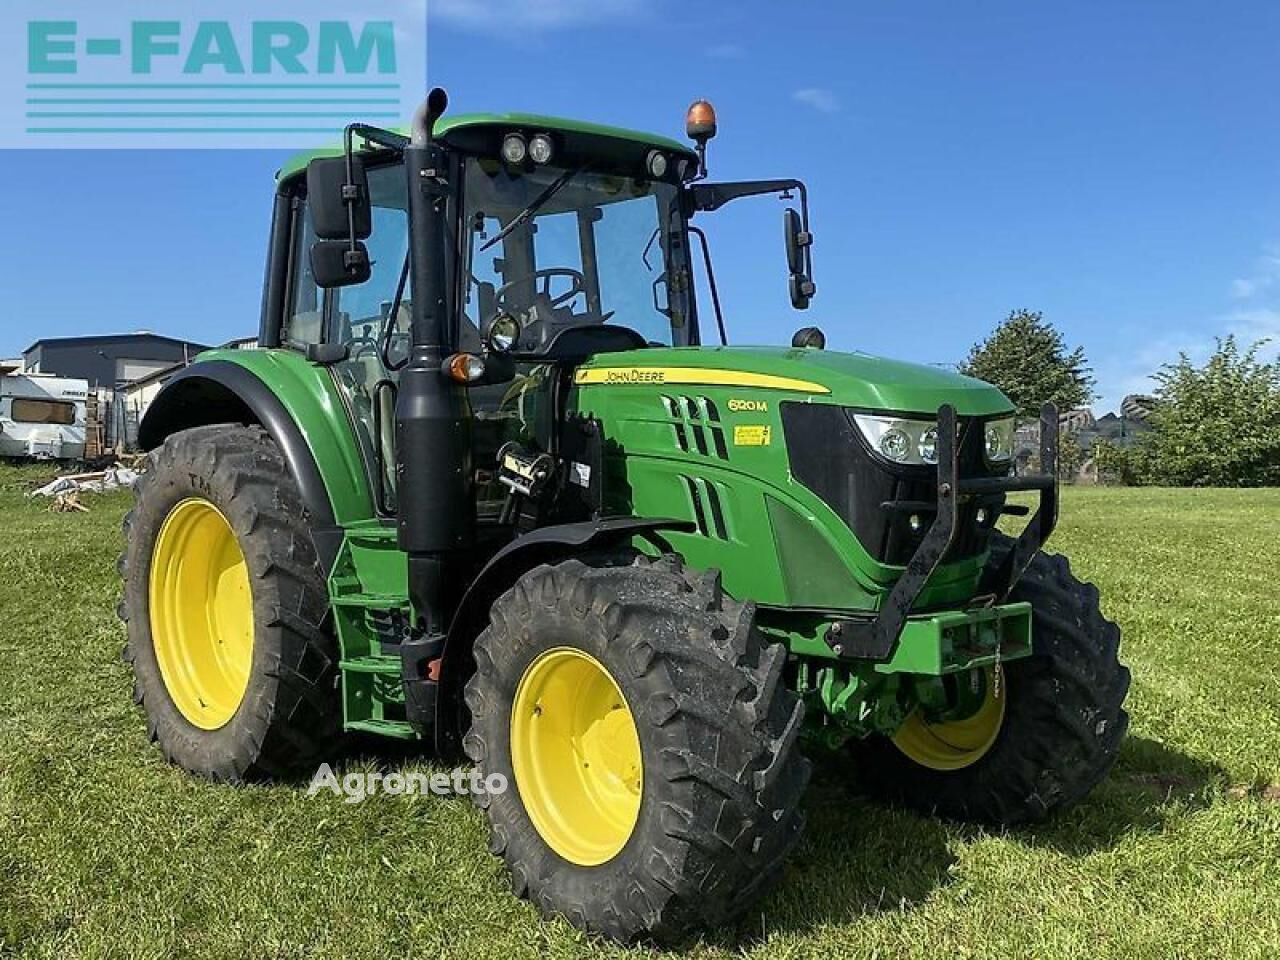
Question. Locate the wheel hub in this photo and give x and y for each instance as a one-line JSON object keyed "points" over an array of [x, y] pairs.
{"points": [[575, 753], [955, 743], [201, 611]]}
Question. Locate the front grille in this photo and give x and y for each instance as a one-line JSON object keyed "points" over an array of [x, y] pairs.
{"points": [[830, 457]]}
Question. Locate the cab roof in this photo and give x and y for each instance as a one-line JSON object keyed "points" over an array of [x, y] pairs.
{"points": [[467, 121]]}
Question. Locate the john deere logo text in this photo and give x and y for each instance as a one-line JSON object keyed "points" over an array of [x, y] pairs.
{"points": [[623, 375]]}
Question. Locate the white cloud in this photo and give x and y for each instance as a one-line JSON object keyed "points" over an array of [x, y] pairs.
{"points": [[1243, 289], [821, 99], [726, 51], [1265, 276], [506, 16], [1122, 375]]}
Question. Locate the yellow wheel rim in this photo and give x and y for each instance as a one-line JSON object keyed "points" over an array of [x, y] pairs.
{"points": [[956, 744], [575, 752], [201, 613]]}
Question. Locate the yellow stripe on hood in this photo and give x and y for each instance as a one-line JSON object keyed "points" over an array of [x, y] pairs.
{"points": [[693, 376]]}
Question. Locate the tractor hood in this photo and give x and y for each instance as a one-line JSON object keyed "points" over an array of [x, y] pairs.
{"points": [[849, 379]]}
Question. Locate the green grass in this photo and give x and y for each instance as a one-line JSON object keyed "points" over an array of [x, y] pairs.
{"points": [[106, 850]]}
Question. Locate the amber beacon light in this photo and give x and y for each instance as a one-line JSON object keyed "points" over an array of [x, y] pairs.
{"points": [[700, 126]]}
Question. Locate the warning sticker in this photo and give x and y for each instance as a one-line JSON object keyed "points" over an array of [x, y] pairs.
{"points": [[751, 436]]}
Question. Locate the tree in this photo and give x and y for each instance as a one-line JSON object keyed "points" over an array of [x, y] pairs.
{"points": [[1216, 425], [1070, 458], [1028, 359], [1126, 466]]}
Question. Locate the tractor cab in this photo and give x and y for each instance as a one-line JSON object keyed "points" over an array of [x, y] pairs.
{"points": [[555, 241]]}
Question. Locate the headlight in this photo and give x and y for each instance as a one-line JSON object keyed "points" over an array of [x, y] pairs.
{"points": [[902, 441], [999, 440], [540, 148], [503, 333], [514, 149], [657, 163]]}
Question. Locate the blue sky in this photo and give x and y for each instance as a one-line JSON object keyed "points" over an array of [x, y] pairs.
{"points": [[1113, 164]]}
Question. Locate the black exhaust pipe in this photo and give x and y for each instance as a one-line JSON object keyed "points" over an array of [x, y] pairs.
{"points": [[435, 503]]}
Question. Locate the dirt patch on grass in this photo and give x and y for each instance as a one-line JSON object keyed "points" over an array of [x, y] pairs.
{"points": [[1267, 794]]}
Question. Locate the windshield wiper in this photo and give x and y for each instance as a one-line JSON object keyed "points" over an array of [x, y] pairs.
{"points": [[525, 215]]}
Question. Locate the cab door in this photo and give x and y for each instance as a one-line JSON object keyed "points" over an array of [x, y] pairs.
{"points": [[373, 344]]}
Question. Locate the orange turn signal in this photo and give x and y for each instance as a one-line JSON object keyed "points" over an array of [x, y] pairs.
{"points": [[464, 368]]}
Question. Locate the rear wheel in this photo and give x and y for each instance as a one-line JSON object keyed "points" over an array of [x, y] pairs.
{"points": [[649, 745], [1041, 732], [225, 605]]}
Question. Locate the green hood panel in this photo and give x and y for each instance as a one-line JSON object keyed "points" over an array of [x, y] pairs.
{"points": [[850, 379]]}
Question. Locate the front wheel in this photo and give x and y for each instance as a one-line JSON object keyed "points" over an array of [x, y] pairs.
{"points": [[649, 744], [1043, 731]]}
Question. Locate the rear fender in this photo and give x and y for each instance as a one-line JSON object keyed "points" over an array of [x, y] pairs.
{"points": [[297, 404]]}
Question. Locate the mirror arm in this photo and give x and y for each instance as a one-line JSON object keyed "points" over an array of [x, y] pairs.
{"points": [[708, 197], [808, 234], [387, 139], [712, 196], [350, 192], [384, 348], [711, 283]]}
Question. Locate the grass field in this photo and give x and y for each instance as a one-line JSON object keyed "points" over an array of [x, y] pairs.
{"points": [[105, 850]]}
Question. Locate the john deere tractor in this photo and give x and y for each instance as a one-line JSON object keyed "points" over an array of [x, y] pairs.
{"points": [[492, 483]]}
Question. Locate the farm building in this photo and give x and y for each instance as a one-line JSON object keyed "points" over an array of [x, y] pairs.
{"points": [[134, 397], [104, 366], [109, 360]]}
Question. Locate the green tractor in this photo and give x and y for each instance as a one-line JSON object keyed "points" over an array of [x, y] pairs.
{"points": [[484, 486]]}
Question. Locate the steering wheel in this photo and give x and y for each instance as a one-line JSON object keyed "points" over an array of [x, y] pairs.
{"points": [[578, 288]]}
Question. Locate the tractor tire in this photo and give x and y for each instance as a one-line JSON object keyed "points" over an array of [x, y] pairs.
{"points": [[703, 795], [225, 607], [1062, 722]]}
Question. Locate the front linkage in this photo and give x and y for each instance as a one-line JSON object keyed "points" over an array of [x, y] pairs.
{"points": [[875, 639]]}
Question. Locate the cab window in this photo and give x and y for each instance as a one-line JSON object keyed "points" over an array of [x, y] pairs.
{"points": [[304, 322], [560, 248]]}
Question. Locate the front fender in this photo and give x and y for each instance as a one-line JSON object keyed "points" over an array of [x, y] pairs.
{"points": [[543, 545], [296, 402]]}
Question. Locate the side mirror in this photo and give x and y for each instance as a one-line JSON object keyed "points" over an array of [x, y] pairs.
{"points": [[341, 216], [798, 241], [340, 210], [802, 291], [337, 263]]}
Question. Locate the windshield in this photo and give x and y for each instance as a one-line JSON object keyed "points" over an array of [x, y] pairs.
{"points": [[559, 248]]}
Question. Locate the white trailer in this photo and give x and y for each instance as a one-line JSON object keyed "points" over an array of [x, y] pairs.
{"points": [[42, 417]]}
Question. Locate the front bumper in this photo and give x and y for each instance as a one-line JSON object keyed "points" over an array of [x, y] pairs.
{"points": [[955, 641]]}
